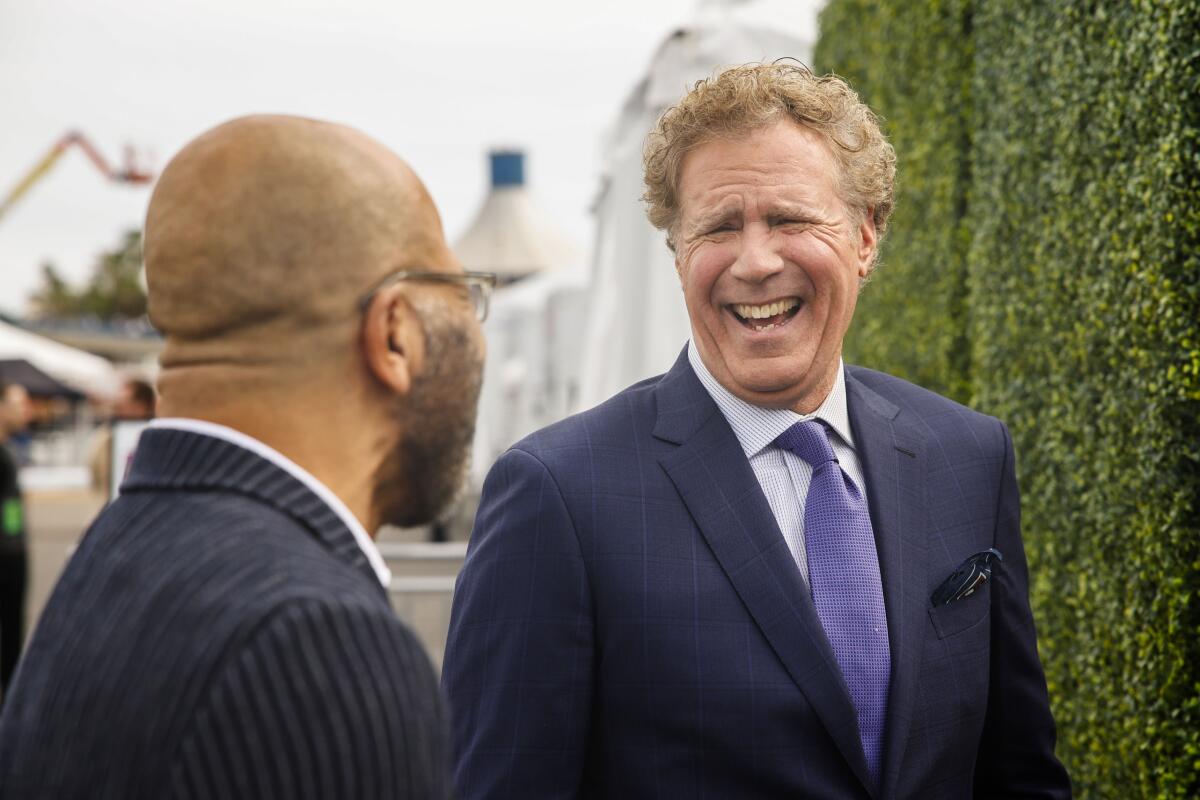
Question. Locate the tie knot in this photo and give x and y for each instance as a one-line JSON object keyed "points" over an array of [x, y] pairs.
{"points": [[809, 441]]}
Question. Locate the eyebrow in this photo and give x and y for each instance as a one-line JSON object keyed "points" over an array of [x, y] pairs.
{"points": [[710, 219], [796, 211]]}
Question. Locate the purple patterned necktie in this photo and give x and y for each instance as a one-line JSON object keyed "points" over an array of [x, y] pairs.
{"points": [[843, 572]]}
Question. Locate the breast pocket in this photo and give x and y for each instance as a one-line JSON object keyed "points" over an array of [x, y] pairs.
{"points": [[955, 670], [962, 615]]}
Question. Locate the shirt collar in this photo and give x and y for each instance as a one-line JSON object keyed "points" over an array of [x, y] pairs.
{"points": [[756, 427], [205, 428]]}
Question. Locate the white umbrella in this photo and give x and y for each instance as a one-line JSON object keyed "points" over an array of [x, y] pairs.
{"points": [[87, 373]]}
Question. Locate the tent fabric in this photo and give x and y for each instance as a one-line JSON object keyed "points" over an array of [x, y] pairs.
{"points": [[637, 321], [534, 339], [531, 375], [86, 373], [36, 382], [512, 237]]}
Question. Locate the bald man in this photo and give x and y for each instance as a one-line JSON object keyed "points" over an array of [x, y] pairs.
{"points": [[224, 628]]}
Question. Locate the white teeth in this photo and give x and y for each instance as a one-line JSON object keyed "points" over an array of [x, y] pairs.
{"points": [[762, 312]]}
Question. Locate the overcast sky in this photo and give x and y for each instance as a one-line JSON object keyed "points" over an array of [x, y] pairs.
{"points": [[439, 82]]}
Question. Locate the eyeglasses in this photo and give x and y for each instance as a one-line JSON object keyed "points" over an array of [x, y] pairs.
{"points": [[479, 286]]}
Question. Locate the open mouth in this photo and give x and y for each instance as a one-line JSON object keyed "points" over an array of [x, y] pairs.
{"points": [[767, 316]]}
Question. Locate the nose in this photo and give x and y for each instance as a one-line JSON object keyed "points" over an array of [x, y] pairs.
{"points": [[758, 258]]}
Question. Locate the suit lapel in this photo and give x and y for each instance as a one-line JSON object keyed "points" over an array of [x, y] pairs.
{"points": [[719, 488], [181, 460], [891, 450]]}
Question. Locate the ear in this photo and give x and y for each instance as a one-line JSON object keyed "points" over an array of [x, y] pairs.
{"points": [[867, 242], [393, 340]]}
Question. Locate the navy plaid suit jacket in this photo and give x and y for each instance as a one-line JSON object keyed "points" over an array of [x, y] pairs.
{"points": [[220, 633], [629, 622]]}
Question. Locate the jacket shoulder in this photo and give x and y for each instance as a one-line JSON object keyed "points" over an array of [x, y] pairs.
{"points": [[166, 588], [932, 412], [910, 396]]}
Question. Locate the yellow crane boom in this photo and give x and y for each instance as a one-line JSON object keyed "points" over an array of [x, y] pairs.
{"points": [[130, 172]]}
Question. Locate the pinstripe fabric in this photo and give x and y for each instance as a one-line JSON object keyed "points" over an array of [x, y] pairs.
{"points": [[220, 633], [344, 515], [629, 622], [783, 475]]}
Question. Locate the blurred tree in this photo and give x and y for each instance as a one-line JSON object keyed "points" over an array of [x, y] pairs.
{"points": [[55, 296], [114, 291]]}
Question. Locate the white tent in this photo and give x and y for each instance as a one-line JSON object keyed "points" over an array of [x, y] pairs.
{"points": [[511, 235], [532, 373], [87, 373], [637, 322]]}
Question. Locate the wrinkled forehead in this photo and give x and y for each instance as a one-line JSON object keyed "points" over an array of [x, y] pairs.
{"points": [[783, 170]]}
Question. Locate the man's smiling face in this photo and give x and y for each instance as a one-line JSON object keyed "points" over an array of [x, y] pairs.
{"points": [[771, 260]]}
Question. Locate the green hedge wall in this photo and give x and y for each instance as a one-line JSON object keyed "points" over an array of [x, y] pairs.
{"points": [[1079, 258], [913, 318]]}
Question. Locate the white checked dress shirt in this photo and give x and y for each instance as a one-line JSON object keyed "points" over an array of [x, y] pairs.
{"points": [[783, 475]]}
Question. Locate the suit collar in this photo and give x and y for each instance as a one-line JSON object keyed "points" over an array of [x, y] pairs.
{"points": [[892, 450], [682, 404], [314, 485], [175, 459]]}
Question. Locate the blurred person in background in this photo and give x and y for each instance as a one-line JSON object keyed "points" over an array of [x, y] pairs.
{"points": [[738, 579], [14, 417], [224, 629], [136, 401]]}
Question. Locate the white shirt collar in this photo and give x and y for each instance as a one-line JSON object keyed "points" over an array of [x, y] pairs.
{"points": [[277, 458], [756, 427]]}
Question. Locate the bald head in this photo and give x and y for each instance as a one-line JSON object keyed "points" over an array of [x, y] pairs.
{"points": [[267, 243], [263, 232]]}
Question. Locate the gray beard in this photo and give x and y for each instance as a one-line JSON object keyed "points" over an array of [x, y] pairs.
{"points": [[427, 471]]}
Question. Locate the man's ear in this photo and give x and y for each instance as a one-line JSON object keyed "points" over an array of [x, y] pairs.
{"points": [[393, 340], [867, 242]]}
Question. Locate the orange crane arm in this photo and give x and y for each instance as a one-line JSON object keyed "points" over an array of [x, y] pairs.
{"points": [[129, 174]]}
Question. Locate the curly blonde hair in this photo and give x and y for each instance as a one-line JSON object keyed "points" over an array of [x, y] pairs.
{"points": [[751, 96]]}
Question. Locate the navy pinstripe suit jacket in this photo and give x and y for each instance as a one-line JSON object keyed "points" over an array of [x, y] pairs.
{"points": [[629, 622], [219, 633]]}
